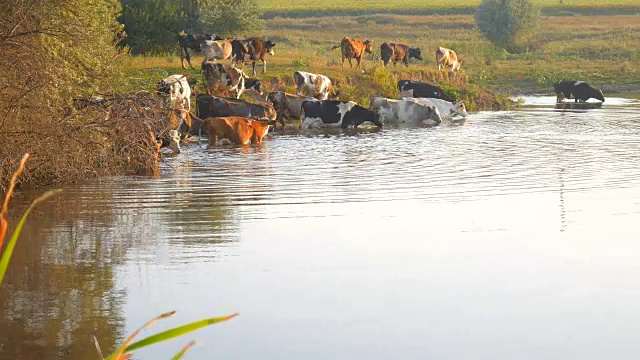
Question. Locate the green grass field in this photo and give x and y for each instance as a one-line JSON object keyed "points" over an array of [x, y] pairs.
{"points": [[287, 8]]}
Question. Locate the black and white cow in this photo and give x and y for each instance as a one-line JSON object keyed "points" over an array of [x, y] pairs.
{"points": [[416, 89], [580, 90], [253, 84], [192, 43], [335, 113]]}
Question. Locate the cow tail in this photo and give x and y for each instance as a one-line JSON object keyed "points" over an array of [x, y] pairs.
{"points": [[335, 47]]}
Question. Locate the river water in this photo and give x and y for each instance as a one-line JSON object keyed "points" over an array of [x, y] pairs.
{"points": [[513, 235]]}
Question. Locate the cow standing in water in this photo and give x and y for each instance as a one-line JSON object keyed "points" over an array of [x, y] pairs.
{"points": [[334, 113], [238, 130], [257, 49], [353, 49], [447, 58], [581, 91]]}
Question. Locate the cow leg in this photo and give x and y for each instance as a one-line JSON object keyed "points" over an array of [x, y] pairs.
{"points": [[254, 68], [264, 66], [350, 64], [182, 56], [188, 56]]}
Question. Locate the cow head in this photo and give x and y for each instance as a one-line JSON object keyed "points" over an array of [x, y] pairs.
{"points": [[269, 45], [459, 63], [458, 108], [435, 114], [599, 95], [415, 53], [253, 84], [368, 46]]}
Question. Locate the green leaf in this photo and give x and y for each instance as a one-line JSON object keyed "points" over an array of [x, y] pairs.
{"points": [[8, 251], [172, 333]]}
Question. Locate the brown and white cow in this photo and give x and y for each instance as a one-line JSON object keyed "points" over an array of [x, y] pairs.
{"points": [[238, 130], [354, 49], [257, 49], [230, 77], [319, 86], [398, 52], [212, 106], [447, 58]]}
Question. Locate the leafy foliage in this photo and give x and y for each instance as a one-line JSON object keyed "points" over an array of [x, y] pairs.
{"points": [[152, 26], [510, 24], [231, 17]]}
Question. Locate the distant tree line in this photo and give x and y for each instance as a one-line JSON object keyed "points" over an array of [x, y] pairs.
{"points": [[153, 25]]}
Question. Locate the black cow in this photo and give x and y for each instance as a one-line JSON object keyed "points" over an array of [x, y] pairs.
{"points": [[335, 113], [581, 91], [416, 89], [238, 52], [192, 42]]}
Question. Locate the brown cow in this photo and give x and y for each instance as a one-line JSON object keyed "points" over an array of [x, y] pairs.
{"points": [[354, 49], [211, 106], [398, 52], [238, 130], [256, 49], [447, 58]]}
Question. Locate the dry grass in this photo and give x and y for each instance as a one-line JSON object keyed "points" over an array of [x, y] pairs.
{"points": [[114, 136]]}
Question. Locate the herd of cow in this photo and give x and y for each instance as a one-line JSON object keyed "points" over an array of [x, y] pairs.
{"points": [[315, 100]]}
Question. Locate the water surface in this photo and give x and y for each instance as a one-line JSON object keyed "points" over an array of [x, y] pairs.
{"points": [[513, 235]]}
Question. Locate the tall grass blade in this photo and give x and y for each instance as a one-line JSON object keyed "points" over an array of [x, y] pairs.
{"points": [[8, 251], [4, 225], [123, 348], [172, 333], [184, 350]]}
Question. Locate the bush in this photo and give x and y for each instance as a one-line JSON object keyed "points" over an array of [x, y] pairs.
{"points": [[231, 17], [509, 24], [151, 25]]}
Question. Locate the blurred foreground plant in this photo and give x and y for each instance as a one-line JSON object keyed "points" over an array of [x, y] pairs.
{"points": [[124, 350], [5, 254]]}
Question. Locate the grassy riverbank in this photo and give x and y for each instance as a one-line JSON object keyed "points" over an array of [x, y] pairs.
{"points": [[603, 50]]}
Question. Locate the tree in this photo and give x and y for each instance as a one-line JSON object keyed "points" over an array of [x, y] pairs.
{"points": [[509, 24], [231, 17], [152, 25]]}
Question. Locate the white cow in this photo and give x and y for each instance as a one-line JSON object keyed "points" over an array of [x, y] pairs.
{"points": [[447, 109], [407, 110], [318, 85], [179, 91]]}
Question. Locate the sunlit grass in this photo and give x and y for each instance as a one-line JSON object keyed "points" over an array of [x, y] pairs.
{"points": [[372, 5]]}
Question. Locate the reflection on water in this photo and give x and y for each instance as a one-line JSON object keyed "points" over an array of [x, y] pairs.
{"points": [[511, 235]]}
